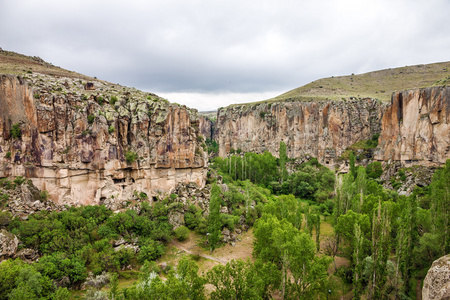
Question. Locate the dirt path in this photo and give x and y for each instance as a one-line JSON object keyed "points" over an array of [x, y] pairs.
{"points": [[181, 247]]}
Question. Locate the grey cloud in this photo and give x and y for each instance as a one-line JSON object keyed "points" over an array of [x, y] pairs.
{"points": [[226, 46]]}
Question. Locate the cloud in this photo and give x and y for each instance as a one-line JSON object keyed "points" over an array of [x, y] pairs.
{"points": [[212, 101], [226, 47]]}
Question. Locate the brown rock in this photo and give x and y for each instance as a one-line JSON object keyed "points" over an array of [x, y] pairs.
{"points": [[81, 162], [436, 285], [8, 244], [319, 129], [416, 127]]}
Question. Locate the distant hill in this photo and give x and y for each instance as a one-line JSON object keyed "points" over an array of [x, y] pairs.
{"points": [[377, 84]]}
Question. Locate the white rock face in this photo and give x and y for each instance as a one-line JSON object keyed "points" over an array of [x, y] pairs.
{"points": [[436, 285]]}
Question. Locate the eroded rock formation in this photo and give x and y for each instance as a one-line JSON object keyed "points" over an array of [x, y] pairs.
{"points": [[318, 129], [416, 127], [74, 143], [436, 285]]}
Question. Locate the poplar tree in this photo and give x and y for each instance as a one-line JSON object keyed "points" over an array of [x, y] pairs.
{"points": [[440, 206], [283, 159]]}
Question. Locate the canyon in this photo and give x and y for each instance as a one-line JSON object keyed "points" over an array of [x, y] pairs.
{"points": [[88, 141]]}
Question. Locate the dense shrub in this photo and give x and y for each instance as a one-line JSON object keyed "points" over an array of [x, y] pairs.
{"points": [[182, 233]]}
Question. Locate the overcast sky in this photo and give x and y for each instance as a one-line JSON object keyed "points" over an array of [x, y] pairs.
{"points": [[212, 53]]}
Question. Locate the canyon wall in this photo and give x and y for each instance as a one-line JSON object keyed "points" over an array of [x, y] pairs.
{"points": [[320, 129], [416, 127], [73, 143]]}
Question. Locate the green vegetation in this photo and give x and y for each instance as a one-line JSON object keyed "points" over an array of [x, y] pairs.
{"points": [[212, 146], [302, 218], [75, 242], [113, 100], [91, 119], [182, 233], [214, 223], [378, 84], [15, 132], [111, 129], [131, 156]]}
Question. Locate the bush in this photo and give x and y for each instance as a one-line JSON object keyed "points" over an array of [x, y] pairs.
{"points": [[8, 154], [19, 180], [111, 129], [5, 218], [131, 156], [16, 133], [374, 170], [182, 233], [113, 100], [91, 119], [100, 101], [150, 250]]}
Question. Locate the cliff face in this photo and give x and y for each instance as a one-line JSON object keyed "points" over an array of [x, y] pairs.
{"points": [[73, 142], [416, 127], [319, 129]]}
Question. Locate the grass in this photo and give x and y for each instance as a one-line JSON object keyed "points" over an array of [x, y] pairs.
{"points": [[15, 63], [378, 84]]}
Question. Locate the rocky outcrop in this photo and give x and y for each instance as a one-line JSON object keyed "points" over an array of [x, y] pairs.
{"points": [[415, 128], [8, 244], [85, 147], [436, 285], [319, 129]]}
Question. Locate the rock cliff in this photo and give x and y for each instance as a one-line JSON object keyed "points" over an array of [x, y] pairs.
{"points": [[322, 129], [415, 128], [86, 142]]}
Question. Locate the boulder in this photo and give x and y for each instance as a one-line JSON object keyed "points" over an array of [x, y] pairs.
{"points": [[27, 254], [437, 282], [8, 244]]}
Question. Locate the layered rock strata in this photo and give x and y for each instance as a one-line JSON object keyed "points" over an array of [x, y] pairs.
{"points": [[319, 129], [74, 142], [416, 127]]}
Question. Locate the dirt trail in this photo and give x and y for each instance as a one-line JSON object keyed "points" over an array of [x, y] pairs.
{"points": [[181, 247]]}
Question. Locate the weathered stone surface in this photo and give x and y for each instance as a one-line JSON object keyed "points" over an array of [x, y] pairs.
{"points": [[8, 244], [436, 285], [415, 128], [27, 254], [320, 129], [73, 144]]}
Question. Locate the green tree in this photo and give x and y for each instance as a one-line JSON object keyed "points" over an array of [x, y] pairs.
{"points": [[352, 164], [283, 160], [440, 206], [214, 223], [241, 280], [187, 271], [279, 242]]}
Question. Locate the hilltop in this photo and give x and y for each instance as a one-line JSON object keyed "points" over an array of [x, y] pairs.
{"points": [[377, 84]]}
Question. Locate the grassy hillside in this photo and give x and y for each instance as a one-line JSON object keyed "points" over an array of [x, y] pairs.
{"points": [[19, 64], [377, 84]]}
